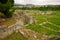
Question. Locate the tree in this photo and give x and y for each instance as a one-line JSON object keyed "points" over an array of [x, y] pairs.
{"points": [[2, 1], [5, 6]]}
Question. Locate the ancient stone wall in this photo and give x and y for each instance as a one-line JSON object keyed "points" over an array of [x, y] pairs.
{"points": [[4, 31], [21, 19]]}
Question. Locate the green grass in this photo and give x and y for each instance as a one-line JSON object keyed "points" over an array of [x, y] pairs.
{"points": [[39, 18], [40, 29], [52, 26], [15, 36], [53, 18]]}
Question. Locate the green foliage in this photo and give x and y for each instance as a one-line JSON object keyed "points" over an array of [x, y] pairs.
{"points": [[5, 6], [44, 8], [8, 14], [3, 1]]}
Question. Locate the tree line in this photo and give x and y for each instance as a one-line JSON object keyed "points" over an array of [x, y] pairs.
{"points": [[42, 8]]}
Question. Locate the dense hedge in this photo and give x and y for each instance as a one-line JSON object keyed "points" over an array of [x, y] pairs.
{"points": [[5, 6], [48, 8]]}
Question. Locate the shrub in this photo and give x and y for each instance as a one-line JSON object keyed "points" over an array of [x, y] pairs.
{"points": [[5, 6]]}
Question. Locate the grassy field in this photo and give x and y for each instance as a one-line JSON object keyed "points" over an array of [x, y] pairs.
{"points": [[48, 23]]}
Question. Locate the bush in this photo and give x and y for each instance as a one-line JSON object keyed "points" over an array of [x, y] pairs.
{"points": [[2, 1], [5, 6]]}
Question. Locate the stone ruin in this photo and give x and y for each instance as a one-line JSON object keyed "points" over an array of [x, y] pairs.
{"points": [[21, 19], [25, 17], [5, 31]]}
